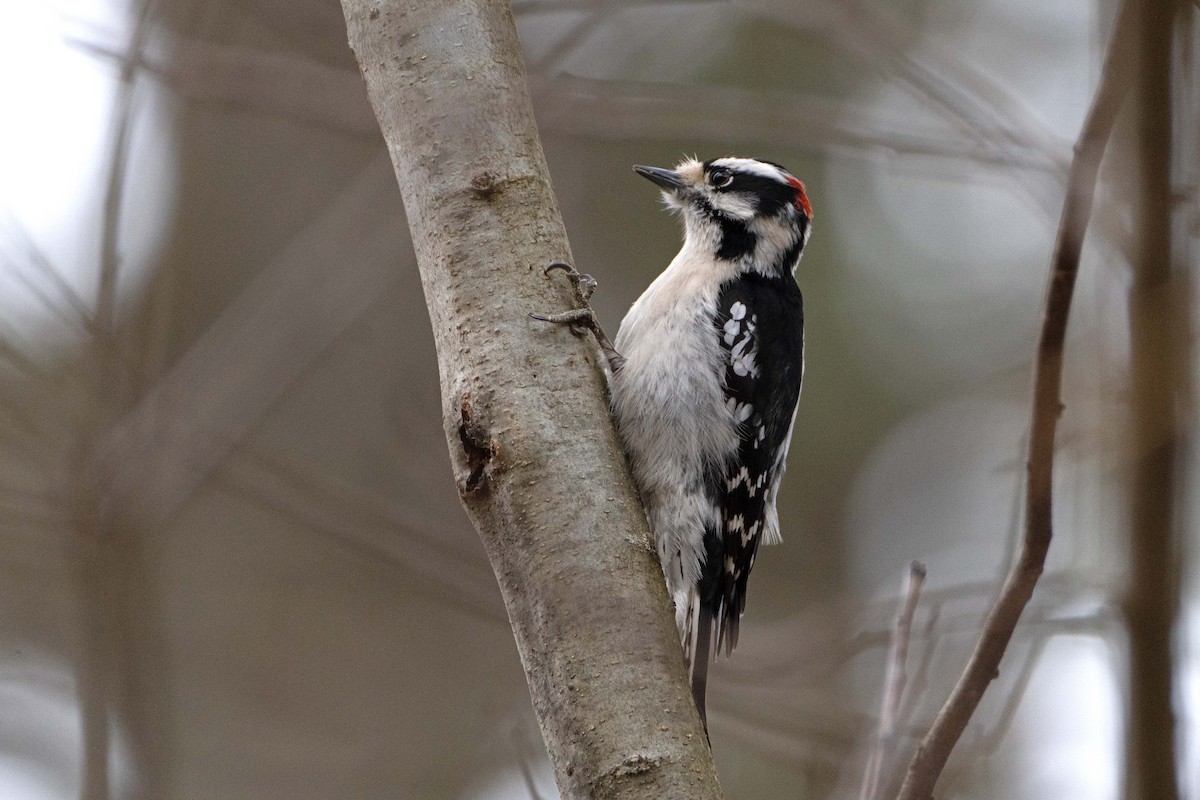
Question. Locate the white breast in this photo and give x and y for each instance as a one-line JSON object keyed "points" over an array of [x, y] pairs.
{"points": [[669, 403]]}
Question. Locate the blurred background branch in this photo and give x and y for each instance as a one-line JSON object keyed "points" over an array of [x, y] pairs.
{"points": [[895, 680], [998, 628], [1160, 364]]}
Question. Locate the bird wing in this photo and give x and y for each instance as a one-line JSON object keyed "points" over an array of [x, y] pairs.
{"points": [[760, 322]]}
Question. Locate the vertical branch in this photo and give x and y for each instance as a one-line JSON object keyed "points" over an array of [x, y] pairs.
{"points": [[894, 680], [98, 566], [537, 462], [984, 663], [1157, 334], [93, 664], [114, 193]]}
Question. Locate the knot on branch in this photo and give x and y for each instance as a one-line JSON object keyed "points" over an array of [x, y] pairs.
{"points": [[640, 765], [484, 184], [478, 447]]}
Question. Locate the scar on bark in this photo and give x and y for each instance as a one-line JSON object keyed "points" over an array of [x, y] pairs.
{"points": [[484, 184], [637, 769], [478, 447]]}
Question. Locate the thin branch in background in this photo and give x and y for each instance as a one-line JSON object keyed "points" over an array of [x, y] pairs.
{"points": [[984, 664], [813, 730], [20, 361], [99, 666], [916, 692], [34, 286], [951, 87], [361, 520], [619, 109], [579, 33], [894, 680], [920, 682], [1098, 626], [809, 747], [955, 89], [114, 195], [76, 311], [954, 611], [94, 667], [280, 323], [311, 93], [851, 777], [254, 79]]}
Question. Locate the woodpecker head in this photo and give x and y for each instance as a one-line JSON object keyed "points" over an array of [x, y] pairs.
{"points": [[740, 209]]}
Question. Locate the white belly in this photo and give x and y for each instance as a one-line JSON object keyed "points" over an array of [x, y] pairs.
{"points": [[669, 404]]}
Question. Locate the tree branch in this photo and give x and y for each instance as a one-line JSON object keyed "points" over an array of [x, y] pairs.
{"points": [[1159, 365], [984, 664], [537, 463], [894, 680]]}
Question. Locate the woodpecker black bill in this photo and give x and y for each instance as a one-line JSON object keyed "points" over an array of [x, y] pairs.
{"points": [[667, 179]]}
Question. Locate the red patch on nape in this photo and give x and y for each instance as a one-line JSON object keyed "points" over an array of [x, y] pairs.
{"points": [[802, 203]]}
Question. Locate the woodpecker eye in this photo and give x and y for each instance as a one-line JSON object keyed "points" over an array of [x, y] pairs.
{"points": [[720, 178]]}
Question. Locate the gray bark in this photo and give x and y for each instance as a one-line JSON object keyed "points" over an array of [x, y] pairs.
{"points": [[536, 460]]}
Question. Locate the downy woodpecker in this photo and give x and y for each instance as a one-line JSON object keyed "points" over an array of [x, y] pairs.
{"points": [[706, 373]]}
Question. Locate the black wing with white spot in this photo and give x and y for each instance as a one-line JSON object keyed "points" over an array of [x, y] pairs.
{"points": [[760, 322]]}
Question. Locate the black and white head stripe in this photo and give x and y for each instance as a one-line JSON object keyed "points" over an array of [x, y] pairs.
{"points": [[773, 189], [748, 211], [751, 166], [765, 187]]}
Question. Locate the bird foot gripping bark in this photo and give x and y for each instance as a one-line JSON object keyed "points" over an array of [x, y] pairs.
{"points": [[582, 319]]}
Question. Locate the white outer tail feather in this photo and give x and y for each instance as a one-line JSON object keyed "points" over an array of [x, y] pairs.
{"points": [[696, 634]]}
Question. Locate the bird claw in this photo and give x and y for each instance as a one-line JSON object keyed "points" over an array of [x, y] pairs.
{"points": [[584, 284], [582, 320]]}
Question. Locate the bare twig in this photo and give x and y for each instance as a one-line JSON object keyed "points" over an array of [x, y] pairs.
{"points": [[97, 669], [954, 89], [68, 304], [983, 666], [365, 522], [114, 195], [285, 84], [616, 109], [894, 680], [280, 323], [920, 681], [572, 39]]}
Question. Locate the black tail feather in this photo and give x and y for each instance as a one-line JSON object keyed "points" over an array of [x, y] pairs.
{"points": [[701, 655]]}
